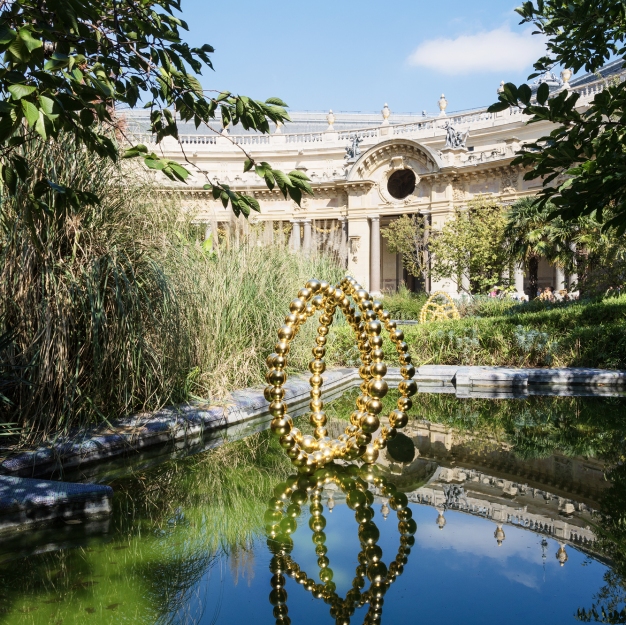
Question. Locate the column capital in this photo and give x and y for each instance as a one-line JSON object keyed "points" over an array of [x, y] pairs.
{"points": [[306, 220], [374, 217]]}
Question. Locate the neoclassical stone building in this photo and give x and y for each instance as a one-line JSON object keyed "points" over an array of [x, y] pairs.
{"points": [[367, 171]]}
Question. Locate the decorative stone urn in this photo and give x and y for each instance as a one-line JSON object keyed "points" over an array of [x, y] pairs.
{"points": [[330, 118], [443, 104]]}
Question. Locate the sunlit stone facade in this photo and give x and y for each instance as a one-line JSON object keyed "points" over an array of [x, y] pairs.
{"points": [[352, 200]]}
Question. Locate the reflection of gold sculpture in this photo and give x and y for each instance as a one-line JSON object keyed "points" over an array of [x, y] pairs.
{"points": [[438, 308], [281, 522], [367, 319]]}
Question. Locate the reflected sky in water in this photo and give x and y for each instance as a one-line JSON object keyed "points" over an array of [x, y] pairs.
{"points": [[186, 543]]}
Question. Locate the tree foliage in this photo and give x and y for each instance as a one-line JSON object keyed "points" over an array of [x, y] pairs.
{"points": [[68, 63], [582, 161], [470, 248], [407, 236]]}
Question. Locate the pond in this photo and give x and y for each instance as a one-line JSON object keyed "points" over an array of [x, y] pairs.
{"points": [[487, 510]]}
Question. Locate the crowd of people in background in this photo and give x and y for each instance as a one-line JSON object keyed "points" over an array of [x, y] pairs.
{"points": [[547, 294]]}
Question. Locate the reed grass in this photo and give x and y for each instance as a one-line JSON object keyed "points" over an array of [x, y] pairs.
{"points": [[114, 308]]}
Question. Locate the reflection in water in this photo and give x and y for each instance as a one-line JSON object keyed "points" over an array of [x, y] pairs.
{"points": [[358, 487], [521, 508]]}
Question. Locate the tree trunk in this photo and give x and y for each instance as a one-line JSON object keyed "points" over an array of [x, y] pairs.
{"points": [[533, 277]]}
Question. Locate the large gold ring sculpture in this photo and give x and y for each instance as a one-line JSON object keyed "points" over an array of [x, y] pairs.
{"points": [[366, 317], [439, 307], [281, 520]]}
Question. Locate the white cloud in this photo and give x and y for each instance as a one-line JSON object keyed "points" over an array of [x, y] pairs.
{"points": [[499, 50]]}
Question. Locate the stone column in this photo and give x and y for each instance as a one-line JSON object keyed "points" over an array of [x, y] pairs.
{"points": [[465, 284], [374, 254], [573, 277], [295, 235], [306, 242], [343, 250], [518, 278], [560, 278], [359, 250], [269, 233]]}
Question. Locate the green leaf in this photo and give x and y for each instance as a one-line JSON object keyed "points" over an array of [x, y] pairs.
{"points": [[275, 101], [181, 173], [40, 126], [543, 93], [20, 91], [29, 41], [10, 179], [247, 166], [31, 112], [524, 93], [498, 106], [281, 178]]}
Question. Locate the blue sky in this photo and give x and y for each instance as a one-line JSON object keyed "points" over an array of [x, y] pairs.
{"points": [[353, 55]]}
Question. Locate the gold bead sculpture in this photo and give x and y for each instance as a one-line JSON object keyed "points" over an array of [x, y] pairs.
{"points": [[367, 318], [439, 307], [281, 521]]}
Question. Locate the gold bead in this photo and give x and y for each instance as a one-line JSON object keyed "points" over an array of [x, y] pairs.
{"points": [[315, 393], [371, 454], [321, 340], [391, 326], [316, 404], [373, 327], [309, 443], [322, 331], [318, 301], [319, 352], [407, 387], [321, 432], [318, 419], [282, 347], [405, 359], [323, 287], [316, 380], [326, 319], [404, 403], [286, 332], [298, 436], [291, 320], [378, 369], [376, 341], [385, 315], [313, 285], [397, 336], [398, 419], [377, 355], [296, 306], [377, 387], [361, 295], [281, 425], [278, 408], [287, 441], [402, 347], [274, 392], [369, 423], [305, 294], [377, 305], [407, 372], [374, 405], [276, 377], [317, 366]]}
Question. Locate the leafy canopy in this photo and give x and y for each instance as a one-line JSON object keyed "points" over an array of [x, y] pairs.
{"points": [[587, 146], [68, 63]]}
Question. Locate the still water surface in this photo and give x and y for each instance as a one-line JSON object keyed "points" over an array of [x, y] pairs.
{"points": [[498, 511]]}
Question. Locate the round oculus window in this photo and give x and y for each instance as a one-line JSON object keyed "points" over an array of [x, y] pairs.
{"points": [[401, 183]]}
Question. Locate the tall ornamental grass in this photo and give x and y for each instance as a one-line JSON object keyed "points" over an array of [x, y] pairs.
{"points": [[114, 308]]}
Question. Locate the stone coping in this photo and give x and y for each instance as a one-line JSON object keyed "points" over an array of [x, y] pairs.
{"points": [[25, 502], [191, 421]]}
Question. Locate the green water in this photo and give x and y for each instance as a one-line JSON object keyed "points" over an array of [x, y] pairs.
{"points": [[519, 510]]}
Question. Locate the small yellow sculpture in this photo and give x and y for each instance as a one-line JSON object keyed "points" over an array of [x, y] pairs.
{"points": [[366, 317], [439, 307]]}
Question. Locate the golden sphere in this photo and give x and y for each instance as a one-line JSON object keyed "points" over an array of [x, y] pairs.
{"points": [[364, 372], [287, 441], [297, 434], [305, 294], [363, 439], [318, 301], [404, 403], [374, 405], [269, 361], [296, 306], [362, 295], [398, 419], [285, 332], [356, 416], [377, 387], [316, 380], [321, 340], [402, 346], [376, 341], [377, 305], [318, 352], [323, 287], [369, 423], [405, 359], [377, 355], [278, 408], [309, 443], [373, 327], [294, 452], [273, 392], [407, 387], [371, 454], [313, 285], [316, 393], [407, 371], [281, 425], [276, 377], [322, 330], [317, 366], [378, 369], [282, 347], [391, 325], [309, 310], [318, 418], [316, 405], [361, 401], [326, 319], [291, 320]]}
